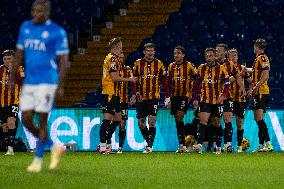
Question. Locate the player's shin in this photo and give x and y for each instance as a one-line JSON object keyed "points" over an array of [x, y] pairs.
{"points": [[111, 130], [228, 133], [200, 133], [261, 132], [152, 134], [145, 133], [240, 134], [180, 132], [103, 135], [211, 135], [122, 135], [219, 134], [10, 141]]}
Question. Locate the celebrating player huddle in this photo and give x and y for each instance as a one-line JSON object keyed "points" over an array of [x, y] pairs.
{"points": [[216, 87]]}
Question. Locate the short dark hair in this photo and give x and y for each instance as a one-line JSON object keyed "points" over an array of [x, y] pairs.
{"points": [[8, 52], [222, 45], [260, 43], [210, 49], [233, 50], [149, 45], [114, 41], [45, 3], [179, 47]]}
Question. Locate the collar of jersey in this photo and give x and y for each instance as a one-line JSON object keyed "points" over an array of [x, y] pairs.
{"points": [[48, 22], [183, 62], [211, 66], [260, 54]]}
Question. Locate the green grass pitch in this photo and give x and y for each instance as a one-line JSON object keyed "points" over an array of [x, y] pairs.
{"points": [[156, 170]]}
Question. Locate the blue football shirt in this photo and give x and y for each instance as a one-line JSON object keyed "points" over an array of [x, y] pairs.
{"points": [[42, 43]]}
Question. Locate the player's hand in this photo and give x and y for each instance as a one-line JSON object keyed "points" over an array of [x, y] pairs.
{"points": [[249, 70], [254, 91], [249, 93], [4, 127], [133, 100], [138, 97], [132, 79], [243, 72], [168, 102], [195, 104], [220, 99], [242, 91]]}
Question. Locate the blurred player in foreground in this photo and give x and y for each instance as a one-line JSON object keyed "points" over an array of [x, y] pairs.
{"points": [[43, 47]]}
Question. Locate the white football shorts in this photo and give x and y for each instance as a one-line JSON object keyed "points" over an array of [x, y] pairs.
{"points": [[39, 97]]}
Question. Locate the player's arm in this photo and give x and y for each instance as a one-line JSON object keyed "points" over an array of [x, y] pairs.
{"points": [[133, 98], [197, 86], [239, 79], [265, 67], [132, 101], [226, 83], [114, 73], [20, 76], [264, 77], [19, 55], [235, 73], [193, 74], [116, 78], [169, 78], [64, 64], [62, 53], [165, 80]]}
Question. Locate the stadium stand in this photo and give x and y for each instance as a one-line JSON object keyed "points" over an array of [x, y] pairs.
{"points": [[191, 23], [201, 24], [86, 71]]}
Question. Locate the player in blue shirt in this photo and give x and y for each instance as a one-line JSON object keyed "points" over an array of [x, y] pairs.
{"points": [[43, 49]]}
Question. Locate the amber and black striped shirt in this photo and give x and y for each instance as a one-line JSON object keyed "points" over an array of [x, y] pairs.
{"points": [[111, 64], [7, 96], [180, 78], [211, 82], [260, 64], [125, 72], [232, 71], [150, 77], [235, 87]]}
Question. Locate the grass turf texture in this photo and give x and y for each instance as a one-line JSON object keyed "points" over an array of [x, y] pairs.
{"points": [[156, 170]]}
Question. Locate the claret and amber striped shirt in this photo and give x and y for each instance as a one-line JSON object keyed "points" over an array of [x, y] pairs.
{"points": [[211, 82], [111, 64], [232, 71], [125, 72], [260, 64], [235, 87], [180, 78], [150, 76], [7, 96]]}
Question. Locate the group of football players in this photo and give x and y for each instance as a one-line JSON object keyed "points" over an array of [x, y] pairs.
{"points": [[216, 88]]}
